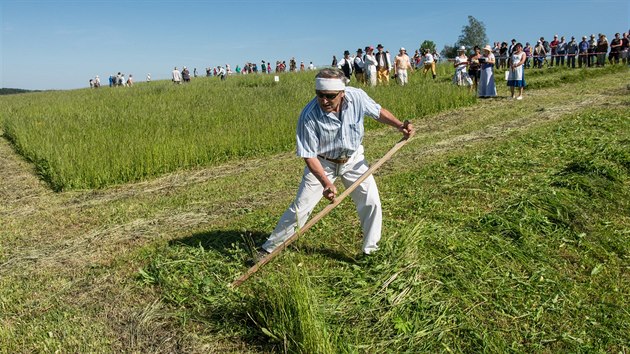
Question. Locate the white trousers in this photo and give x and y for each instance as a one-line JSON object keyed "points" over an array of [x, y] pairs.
{"points": [[365, 198], [401, 76], [371, 79]]}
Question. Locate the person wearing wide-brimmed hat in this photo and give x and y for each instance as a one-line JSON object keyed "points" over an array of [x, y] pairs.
{"points": [[486, 86], [461, 77], [346, 64], [383, 63]]}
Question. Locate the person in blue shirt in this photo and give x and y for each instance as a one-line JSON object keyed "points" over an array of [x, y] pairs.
{"points": [[329, 139]]}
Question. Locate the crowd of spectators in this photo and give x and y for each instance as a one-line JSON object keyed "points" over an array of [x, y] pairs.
{"points": [[372, 67], [590, 51], [116, 80]]}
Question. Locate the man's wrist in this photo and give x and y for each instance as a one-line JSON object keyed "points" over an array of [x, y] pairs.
{"points": [[403, 125]]}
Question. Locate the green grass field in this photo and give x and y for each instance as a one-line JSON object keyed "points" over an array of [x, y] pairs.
{"points": [[97, 138], [506, 226], [517, 246]]}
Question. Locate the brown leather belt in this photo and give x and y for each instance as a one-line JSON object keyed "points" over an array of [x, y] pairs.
{"points": [[341, 161]]}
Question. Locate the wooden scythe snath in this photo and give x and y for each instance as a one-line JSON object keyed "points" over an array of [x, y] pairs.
{"points": [[317, 217]]}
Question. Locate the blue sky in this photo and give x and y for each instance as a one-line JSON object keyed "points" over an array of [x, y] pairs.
{"points": [[47, 44]]}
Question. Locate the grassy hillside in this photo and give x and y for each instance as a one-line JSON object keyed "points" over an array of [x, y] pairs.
{"points": [[506, 229]]}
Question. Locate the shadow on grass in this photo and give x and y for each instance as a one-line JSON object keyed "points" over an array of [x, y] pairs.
{"points": [[329, 253], [223, 241]]}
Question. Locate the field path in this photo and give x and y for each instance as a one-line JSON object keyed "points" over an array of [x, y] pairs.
{"points": [[75, 244]]}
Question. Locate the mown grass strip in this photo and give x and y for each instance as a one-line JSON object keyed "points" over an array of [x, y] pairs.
{"points": [[520, 245]]}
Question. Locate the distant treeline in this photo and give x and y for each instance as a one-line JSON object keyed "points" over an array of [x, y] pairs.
{"points": [[12, 91]]}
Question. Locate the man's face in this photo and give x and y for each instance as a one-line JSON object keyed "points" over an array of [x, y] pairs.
{"points": [[329, 100]]}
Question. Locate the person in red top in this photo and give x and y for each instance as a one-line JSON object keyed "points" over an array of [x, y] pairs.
{"points": [[554, 46]]}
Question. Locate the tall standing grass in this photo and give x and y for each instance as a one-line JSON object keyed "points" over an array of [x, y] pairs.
{"points": [[95, 138], [92, 138]]}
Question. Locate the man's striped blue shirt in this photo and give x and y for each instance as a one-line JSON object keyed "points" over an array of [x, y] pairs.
{"points": [[321, 133]]}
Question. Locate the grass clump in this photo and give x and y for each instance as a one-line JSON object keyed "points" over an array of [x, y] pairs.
{"points": [[286, 310]]}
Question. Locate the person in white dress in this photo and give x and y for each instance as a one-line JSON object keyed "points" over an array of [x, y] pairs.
{"points": [[461, 77], [516, 76], [369, 63], [486, 87]]}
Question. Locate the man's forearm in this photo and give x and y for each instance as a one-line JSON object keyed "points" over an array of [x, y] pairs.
{"points": [[386, 117], [317, 170]]}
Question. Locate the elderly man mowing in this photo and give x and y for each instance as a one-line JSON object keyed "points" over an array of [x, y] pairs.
{"points": [[329, 136]]}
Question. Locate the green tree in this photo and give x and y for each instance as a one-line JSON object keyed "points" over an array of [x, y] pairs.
{"points": [[473, 34], [427, 44]]}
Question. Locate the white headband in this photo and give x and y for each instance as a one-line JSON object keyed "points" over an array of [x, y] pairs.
{"points": [[326, 84]]}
